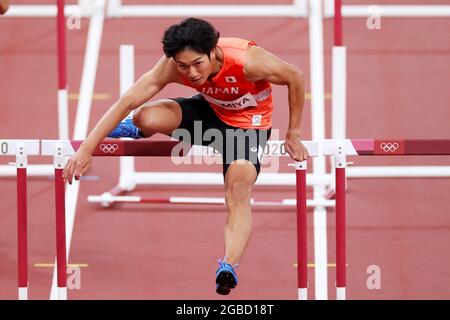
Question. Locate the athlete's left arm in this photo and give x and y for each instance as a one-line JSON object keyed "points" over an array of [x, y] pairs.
{"points": [[262, 65]]}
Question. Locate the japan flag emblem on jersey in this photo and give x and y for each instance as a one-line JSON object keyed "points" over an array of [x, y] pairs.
{"points": [[230, 79]]}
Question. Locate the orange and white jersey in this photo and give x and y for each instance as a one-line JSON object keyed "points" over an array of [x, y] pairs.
{"points": [[236, 101]]}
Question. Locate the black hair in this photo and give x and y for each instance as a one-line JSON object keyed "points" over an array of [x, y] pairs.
{"points": [[192, 33]]}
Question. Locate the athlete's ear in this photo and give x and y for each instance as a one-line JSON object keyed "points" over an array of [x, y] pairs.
{"points": [[212, 52]]}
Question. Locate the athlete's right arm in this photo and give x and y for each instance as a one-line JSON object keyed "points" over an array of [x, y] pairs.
{"points": [[152, 82]]}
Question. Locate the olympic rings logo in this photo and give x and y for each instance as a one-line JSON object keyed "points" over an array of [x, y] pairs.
{"points": [[109, 148], [389, 146]]}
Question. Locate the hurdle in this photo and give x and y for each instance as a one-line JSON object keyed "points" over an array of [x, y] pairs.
{"points": [[59, 10], [21, 149], [106, 200], [338, 149], [148, 148], [336, 10]]}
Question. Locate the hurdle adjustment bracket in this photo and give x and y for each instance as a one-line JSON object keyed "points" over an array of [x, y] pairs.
{"points": [[58, 156], [21, 156], [299, 165], [340, 160]]}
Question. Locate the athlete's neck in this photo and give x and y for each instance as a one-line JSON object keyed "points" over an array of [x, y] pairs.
{"points": [[217, 61]]}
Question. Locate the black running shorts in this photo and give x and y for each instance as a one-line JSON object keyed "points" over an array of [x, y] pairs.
{"points": [[203, 125]]}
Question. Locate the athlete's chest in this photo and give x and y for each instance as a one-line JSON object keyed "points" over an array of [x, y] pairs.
{"points": [[227, 86]]}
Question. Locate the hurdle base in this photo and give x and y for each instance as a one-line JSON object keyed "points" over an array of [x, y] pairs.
{"points": [[62, 293], [340, 293], [23, 293], [302, 293], [107, 199]]}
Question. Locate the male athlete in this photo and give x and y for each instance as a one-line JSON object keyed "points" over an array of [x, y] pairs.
{"points": [[233, 79], [4, 6]]}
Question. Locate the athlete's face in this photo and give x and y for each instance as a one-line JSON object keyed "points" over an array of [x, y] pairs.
{"points": [[195, 66]]}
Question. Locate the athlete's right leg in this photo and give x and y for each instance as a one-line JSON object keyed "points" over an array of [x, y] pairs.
{"points": [[161, 116]]}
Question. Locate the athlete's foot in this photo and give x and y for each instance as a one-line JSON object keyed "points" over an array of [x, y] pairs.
{"points": [[126, 129], [226, 278]]}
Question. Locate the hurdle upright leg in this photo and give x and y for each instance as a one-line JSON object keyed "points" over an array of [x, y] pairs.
{"points": [[341, 264], [22, 224], [302, 247], [60, 203]]}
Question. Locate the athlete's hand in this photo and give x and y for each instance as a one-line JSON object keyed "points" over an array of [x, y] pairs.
{"points": [[4, 6], [295, 147], [77, 165]]}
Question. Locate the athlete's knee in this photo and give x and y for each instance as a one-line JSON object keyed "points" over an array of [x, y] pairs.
{"points": [[149, 116], [144, 118], [238, 192], [159, 116]]}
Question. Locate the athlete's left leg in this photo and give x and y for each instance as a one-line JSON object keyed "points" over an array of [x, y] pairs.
{"points": [[239, 180]]}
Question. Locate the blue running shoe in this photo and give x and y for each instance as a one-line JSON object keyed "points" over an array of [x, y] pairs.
{"points": [[126, 129], [226, 278]]}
